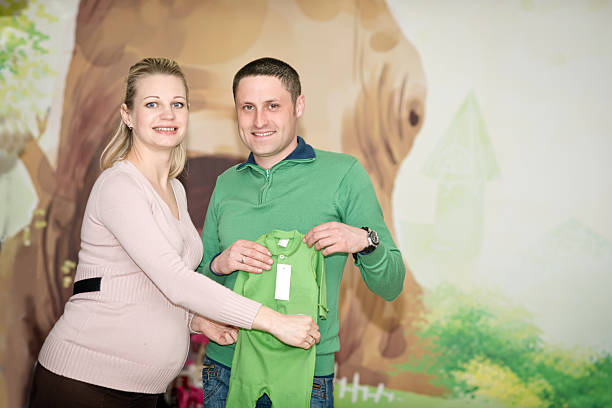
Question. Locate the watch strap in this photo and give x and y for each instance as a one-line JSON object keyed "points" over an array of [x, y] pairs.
{"points": [[371, 247]]}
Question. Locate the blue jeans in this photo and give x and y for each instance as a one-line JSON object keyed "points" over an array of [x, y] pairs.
{"points": [[215, 385]]}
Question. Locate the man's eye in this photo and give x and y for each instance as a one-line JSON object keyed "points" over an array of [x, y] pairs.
{"points": [[248, 107], [178, 104], [151, 105], [274, 106]]}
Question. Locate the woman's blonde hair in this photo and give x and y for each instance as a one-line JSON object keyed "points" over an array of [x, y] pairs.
{"points": [[121, 142]]}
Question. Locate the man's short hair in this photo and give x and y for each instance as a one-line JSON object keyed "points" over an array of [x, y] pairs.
{"points": [[271, 67]]}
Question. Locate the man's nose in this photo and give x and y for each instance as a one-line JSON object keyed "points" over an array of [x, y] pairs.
{"points": [[260, 118]]}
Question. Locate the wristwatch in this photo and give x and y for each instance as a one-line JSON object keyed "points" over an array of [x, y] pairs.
{"points": [[373, 241]]}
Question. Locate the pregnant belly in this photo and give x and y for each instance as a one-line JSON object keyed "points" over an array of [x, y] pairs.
{"points": [[156, 336]]}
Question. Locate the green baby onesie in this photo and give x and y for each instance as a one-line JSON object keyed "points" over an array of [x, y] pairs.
{"points": [[263, 364]]}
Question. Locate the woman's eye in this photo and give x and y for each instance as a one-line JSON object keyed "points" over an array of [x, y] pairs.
{"points": [[178, 104], [151, 104]]}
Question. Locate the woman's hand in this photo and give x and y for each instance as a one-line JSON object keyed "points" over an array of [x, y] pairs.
{"points": [[218, 332], [242, 255], [294, 330]]}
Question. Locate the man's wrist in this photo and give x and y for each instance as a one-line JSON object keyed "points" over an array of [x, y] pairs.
{"points": [[373, 241], [367, 240], [210, 265]]}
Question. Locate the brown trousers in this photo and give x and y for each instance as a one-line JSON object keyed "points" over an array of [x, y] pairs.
{"points": [[50, 390]]}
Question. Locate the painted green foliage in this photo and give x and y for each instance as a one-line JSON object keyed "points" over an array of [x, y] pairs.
{"points": [[21, 57], [23, 112], [483, 347]]}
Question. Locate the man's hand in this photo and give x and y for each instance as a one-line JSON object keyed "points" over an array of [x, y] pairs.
{"points": [[333, 237], [242, 255], [218, 332]]}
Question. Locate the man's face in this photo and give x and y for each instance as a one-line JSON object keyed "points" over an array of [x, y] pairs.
{"points": [[267, 118]]}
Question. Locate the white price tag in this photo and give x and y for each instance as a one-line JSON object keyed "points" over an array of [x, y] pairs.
{"points": [[283, 282], [283, 243]]}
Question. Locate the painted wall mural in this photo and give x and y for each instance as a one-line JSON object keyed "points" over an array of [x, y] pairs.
{"points": [[500, 207], [487, 153]]}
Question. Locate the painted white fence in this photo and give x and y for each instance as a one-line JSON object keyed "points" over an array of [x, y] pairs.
{"points": [[366, 394]]}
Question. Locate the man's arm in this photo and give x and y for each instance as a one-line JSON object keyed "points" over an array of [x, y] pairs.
{"points": [[383, 269], [210, 240], [242, 255]]}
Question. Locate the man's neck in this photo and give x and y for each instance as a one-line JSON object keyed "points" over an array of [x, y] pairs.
{"points": [[264, 163], [268, 162]]}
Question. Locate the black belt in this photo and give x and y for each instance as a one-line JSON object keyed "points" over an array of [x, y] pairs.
{"points": [[87, 285]]}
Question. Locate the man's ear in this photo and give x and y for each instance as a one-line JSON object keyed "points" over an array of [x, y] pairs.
{"points": [[125, 115], [300, 104]]}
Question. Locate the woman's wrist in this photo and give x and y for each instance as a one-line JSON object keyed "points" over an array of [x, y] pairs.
{"points": [[264, 319], [194, 324]]}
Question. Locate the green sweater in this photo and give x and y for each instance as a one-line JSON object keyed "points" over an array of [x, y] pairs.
{"points": [[308, 188]]}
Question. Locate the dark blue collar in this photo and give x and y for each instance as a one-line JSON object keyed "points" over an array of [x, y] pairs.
{"points": [[302, 151]]}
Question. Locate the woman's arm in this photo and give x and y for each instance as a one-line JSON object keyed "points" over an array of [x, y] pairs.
{"points": [[295, 330], [122, 207]]}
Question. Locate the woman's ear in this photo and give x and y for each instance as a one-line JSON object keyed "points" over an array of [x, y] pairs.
{"points": [[125, 116]]}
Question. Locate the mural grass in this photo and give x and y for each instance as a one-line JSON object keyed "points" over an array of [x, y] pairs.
{"points": [[484, 348], [402, 399]]}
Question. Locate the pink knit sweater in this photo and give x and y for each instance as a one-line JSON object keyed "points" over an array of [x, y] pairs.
{"points": [[133, 334]]}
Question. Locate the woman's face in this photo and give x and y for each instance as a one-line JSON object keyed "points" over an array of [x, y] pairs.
{"points": [[160, 114]]}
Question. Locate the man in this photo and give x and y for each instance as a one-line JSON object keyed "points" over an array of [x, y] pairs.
{"points": [[287, 185]]}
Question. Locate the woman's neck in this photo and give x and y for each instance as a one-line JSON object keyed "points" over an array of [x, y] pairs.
{"points": [[155, 166]]}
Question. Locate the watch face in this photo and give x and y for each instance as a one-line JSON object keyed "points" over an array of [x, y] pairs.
{"points": [[373, 240], [374, 237]]}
